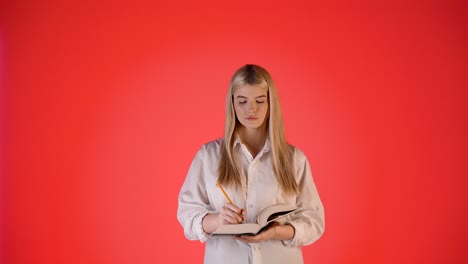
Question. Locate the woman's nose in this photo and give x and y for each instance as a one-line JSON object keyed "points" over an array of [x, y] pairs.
{"points": [[252, 108]]}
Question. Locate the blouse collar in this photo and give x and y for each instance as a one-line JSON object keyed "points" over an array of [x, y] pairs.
{"points": [[266, 147]]}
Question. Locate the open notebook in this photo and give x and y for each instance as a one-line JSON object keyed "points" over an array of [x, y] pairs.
{"points": [[264, 217]]}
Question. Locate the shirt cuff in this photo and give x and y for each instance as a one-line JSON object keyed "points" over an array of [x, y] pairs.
{"points": [[198, 225], [293, 242]]}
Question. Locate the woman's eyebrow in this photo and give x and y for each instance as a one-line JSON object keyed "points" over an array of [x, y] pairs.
{"points": [[245, 97]]}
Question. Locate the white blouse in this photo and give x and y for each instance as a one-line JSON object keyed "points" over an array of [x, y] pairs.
{"points": [[200, 195]]}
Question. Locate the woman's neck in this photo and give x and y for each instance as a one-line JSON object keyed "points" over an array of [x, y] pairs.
{"points": [[253, 139]]}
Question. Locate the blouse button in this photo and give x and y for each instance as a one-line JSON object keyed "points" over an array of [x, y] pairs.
{"points": [[250, 205]]}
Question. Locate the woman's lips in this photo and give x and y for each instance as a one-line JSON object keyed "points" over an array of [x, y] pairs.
{"points": [[251, 118]]}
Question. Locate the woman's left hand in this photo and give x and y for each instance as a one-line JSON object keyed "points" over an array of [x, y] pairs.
{"points": [[268, 234]]}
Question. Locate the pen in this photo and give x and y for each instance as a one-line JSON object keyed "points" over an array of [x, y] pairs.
{"points": [[229, 199], [225, 194]]}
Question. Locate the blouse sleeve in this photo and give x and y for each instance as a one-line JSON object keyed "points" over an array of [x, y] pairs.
{"points": [[309, 222], [193, 201]]}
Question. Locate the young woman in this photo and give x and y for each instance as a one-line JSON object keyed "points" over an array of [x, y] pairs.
{"points": [[257, 168]]}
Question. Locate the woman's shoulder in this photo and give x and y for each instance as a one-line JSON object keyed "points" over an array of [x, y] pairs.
{"points": [[214, 143], [212, 147], [297, 153]]}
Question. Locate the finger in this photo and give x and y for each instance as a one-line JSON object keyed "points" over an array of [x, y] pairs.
{"points": [[251, 239], [233, 208], [232, 217], [248, 239], [234, 212]]}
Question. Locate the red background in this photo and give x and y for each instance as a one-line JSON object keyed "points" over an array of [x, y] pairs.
{"points": [[103, 106]]}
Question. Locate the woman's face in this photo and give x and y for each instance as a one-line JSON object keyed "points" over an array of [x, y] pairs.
{"points": [[251, 105]]}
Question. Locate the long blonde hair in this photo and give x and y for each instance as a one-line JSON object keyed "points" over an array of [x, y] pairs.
{"points": [[229, 170]]}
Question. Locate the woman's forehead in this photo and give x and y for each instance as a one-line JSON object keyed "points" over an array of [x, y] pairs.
{"points": [[250, 90]]}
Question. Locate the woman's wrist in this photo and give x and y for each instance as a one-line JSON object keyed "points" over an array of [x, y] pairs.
{"points": [[284, 232], [210, 222]]}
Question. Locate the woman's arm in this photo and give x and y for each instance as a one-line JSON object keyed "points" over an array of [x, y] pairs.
{"points": [[193, 200], [229, 214], [275, 231], [195, 211], [309, 222]]}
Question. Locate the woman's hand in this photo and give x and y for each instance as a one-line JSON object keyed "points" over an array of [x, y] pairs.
{"points": [[228, 214], [274, 231], [231, 214]]}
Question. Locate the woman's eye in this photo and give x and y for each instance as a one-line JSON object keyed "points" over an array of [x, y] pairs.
{"points": [[242, 102], [260, 102]]}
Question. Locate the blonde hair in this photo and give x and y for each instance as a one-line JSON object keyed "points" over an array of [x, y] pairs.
{"points": [[229, 170]]}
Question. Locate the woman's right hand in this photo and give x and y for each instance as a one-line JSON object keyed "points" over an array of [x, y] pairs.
{"points": [[228, 214], [231, 214]]}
